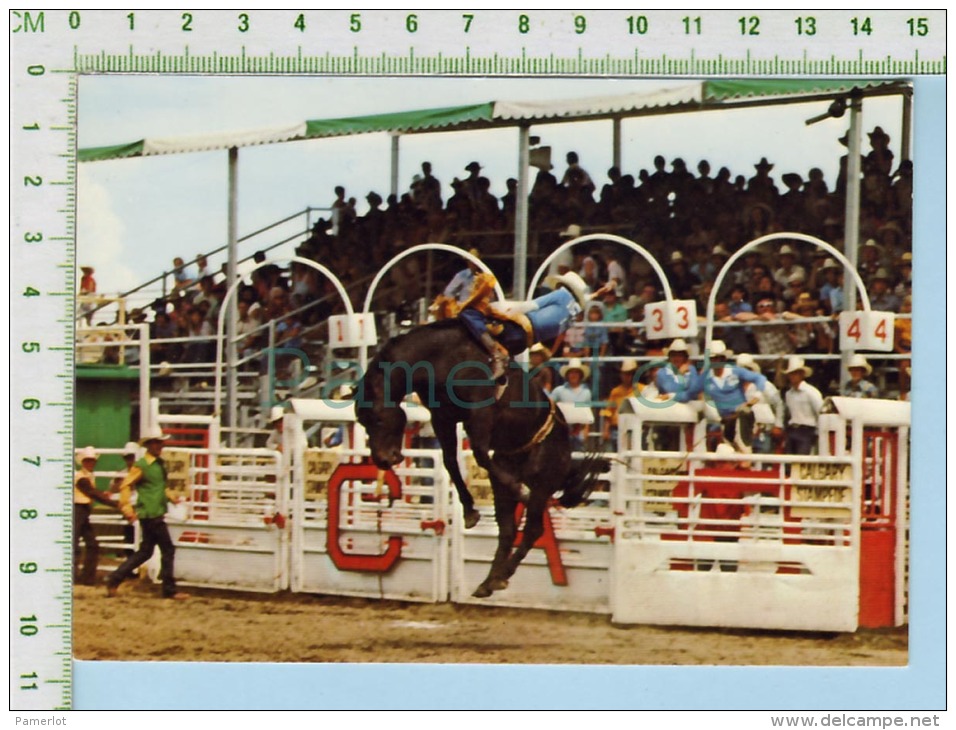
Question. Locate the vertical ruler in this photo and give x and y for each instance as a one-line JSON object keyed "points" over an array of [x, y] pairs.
{"points": [[51, 49]]}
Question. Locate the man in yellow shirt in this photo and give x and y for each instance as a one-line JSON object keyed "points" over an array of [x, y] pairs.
{"points": [[619, 394]]}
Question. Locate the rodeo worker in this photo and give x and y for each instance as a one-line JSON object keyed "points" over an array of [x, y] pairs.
{"points": [[148, 475], [84, 494]]}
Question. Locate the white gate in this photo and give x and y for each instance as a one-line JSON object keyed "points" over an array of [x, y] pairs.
{"points": [[232, 531], [750, 542], [353, 535]]}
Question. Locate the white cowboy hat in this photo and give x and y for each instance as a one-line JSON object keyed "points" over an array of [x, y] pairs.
{"points": [[746, 360], [677, 256], [785, 250], [795, 363], [718, 349], [576, 364], [131, 448], [575, 284], [858, 361], [720, 251], [88, 453], [677, 345], [276, 413], [724, 449], [572, 231], [153, 433], [829, 264], [629, 365]]}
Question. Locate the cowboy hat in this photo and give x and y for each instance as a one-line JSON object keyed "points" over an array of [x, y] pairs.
{"points": [[575, 364], [276, 413], [746, 360], [795, 363], [718, 349], [153, 433], [858, 361], [785, 250], [829, 264], [575, 284], [763, 164], [870, 243], [677, 256], [883, 274], [88, 453], [724, 449], [540, 349], [677, 345], [572, 231], [131, 448], [473, 166], [720, 251], [878, 133], [629, 365]]}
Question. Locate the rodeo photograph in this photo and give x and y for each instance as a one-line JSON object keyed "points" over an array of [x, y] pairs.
{"points": [[462, 373]]}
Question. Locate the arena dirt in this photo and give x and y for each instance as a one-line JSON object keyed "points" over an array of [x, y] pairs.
{"points": [[225, 626]]}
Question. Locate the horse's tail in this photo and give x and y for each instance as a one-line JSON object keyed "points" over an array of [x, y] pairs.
{"points": [[582, 479]]}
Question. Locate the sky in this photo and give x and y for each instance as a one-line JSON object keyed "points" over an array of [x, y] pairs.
{"points": [[135, 215]]}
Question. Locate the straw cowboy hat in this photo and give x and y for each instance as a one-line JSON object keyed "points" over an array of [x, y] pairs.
{"points": [[88, 453], [131, 448], [575, 284], [720, 251], [575, 364], [677, 256], [629, 365], [829, 264], [153, 433], [572, 231], [540, 349], [795, 363], [785, 250], [858, 361], [746, 360]]}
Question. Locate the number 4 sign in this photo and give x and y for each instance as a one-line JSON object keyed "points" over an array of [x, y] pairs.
{"points": [[669, 319], [353, 330], [867, 331]]}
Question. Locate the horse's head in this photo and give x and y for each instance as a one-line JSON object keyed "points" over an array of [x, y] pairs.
{"points": [[384, 424]]}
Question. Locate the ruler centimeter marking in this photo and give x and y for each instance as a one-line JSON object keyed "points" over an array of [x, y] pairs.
{"points": [[50, 49]]}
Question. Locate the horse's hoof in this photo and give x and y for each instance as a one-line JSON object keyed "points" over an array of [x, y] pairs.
{"points": [[471, 519], [482, 591], [499, 584]]}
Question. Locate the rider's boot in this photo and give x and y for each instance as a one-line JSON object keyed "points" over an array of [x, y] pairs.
{"points": [[499, 356]]}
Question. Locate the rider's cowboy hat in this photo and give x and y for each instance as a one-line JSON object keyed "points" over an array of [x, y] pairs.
{"points": [[795, 363], [154, 433], [746, 360], [88, 453], [575, 284], [858, 361], [576, 364]]}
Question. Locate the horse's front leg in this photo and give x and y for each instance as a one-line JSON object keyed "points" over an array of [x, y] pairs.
{"points": [[448, 440], [505, 517]]}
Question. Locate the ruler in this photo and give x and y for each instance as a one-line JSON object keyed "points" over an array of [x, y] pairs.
{"points": [[50, 49]]}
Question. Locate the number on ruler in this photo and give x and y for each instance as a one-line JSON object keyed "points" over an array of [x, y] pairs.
{"points": [[355, 22], [187, 22], [33, 237], [691, 25], [74, 20], [806, 26], [580, 24], [861, 25], [30, 675], [524, 23], [637, 24], [918, 26], [28, 626], [411, 23], [243, 23], [300, 23], [28, 568], [468, 18], [749, 25]]}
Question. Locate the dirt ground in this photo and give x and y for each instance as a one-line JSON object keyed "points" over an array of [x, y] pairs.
{"points": [[225, 626]]}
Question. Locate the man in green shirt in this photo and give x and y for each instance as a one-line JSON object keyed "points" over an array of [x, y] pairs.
{"points": [[148, 475]]}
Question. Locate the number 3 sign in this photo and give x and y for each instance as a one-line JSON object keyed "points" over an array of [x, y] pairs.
{"points": [[669, 319], [867, 331], [351, 330]]}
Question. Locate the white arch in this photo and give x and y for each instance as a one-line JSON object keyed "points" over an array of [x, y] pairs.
{"points": [[712, 300], [603, 237], [223, 308]]}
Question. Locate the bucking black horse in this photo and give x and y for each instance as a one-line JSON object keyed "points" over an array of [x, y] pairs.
{"points": [[521, 437]]}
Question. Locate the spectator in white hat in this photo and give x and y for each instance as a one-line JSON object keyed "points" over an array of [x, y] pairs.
{"points": [[575, 391], [723, 387], [858, 386], [84, 494], [788, 266], [804, 403]]}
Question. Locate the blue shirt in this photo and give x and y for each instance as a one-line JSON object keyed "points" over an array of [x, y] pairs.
{"points": [[684, 387], [726, 391]]}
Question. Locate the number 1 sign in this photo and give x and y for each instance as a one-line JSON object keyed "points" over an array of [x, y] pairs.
{"points": [[672, 318], [867, 331], [351, 330]]}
